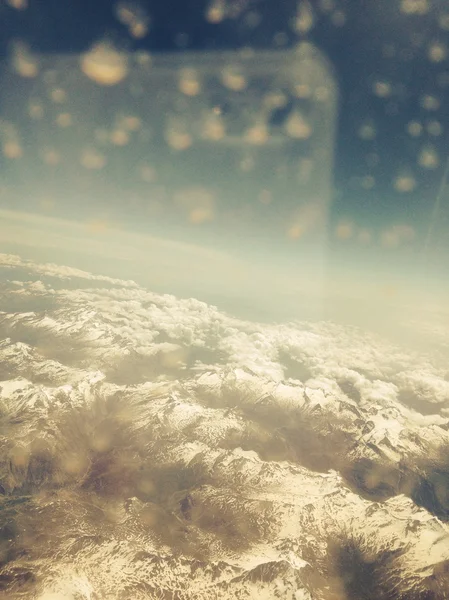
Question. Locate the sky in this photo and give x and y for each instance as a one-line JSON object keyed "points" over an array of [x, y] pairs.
{"points": [[304, 168]]}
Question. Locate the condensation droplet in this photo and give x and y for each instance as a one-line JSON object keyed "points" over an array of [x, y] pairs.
{"points": [[302, 90], [405, 183], [367, 131], [92, 159], [414, 128], [147, 173], [382, 89], [415, 7], [177, 137], [213, 127], [429, 102], [104, 65], [326, 6], [437, 52], [297, 127], [304, 20], [434, 128], [274, 100], [132, 123], [280, 39], [18, 4], [199, 203], [234, 79], [23, 61], [428, 158]]}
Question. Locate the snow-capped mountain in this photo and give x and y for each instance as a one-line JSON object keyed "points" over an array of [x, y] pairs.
{"points": [[152, 447]]}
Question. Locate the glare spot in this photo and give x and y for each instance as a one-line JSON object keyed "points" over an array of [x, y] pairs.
{"points": [[437, 52], [92, 159], [434, 128], [344, 231], [382, 89], [304, 17], [12, 149], [104, 65], [367, 131], [119, 137], [428, 158], [233, 79], [23, 62], [415, 7], [133, 16], [405, 183], [296, 126], [429, 102], [189, 83], [58, 95], [414, 128], [338, 18], [35, 110], [216, 11]]}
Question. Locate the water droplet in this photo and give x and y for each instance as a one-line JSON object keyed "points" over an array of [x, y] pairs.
{"points": [[429, 102], [234, 79], [437, 52], [428, 158], [367, 131], [297, 127], [189, 83], [414, 128], [304, 17], [51, 157], [216, 11], [12, 149], [382, 89], [92, 159], [104, 65], [36, 110], [23, 61], [344, 230], [198, 202], [443, 21], [397, 235], [119, 137], [18, 4], [415, 7], [404, 183], [434, 128], [338, 18], [133, 16], [257, 135], [368, 182], [58, 95]]}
